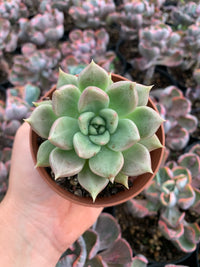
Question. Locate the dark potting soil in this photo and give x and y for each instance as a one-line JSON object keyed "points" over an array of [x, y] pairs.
{"points": [[72, 185], [145, 238]]}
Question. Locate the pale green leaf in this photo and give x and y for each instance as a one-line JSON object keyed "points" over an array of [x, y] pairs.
{"points": [[43, 154], [111, 118], [93, 183], [65, 163], [41, 120], [151, 143], [122, 179], [147, 121], [84, 121], [123, 97], [93, 75], [106, 163], [65, 78], [93, 99], [125, 135], [84, 147], [101, 139], [137, 160], [63, 131], [65, 101]]}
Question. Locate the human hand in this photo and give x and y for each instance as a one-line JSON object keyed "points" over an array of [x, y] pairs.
{"points": [[37, 218]]}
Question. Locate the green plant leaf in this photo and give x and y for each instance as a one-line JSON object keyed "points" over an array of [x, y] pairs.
{"points": [[93, 183], [111, 118], [125, 135], [63, 131], [151, 143], [65, 78], [84, 147], [84, 121], [65, 101], [43, 154], [93, 99], [143, 93], [122, 179], [137, 160], [65, 163], [93, 75], [41, 120], [147, 121], [106, 163], [123, 97], [101, 139]]}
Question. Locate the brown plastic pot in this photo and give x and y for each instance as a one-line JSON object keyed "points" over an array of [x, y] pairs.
{"points": [[139, 182]]}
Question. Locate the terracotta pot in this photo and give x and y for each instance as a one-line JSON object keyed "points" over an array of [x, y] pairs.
{"points": [[139, 183]]}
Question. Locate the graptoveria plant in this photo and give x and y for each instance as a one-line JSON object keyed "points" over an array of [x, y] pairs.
{"points": [[96, 129]]}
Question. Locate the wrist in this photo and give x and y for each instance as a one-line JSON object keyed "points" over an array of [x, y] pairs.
{"points": [[23, 241]]}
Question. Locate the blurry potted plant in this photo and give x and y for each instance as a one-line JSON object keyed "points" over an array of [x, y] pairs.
{"points": [[96, 134], [171, 199]]}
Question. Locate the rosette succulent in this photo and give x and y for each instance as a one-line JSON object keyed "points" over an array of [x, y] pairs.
{"points": [[96, 129]]}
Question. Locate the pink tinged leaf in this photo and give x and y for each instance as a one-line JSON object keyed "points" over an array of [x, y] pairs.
{"points": [[123, 97], [84, 121], [106, 163], [139, 261], [184, 244], [91, 182], [143, 93], [108, 230], [93, 99], [97, 261], [93, 75], [168, 200], [173, 217], [177, 138], [138, 208], [81, 253], [111, 118], [92, 243], [183, 104], [65, 79], [188, 122], [190, 161], [147, 121], [125, 136], [186, 197], [151, 143], [101, 139], [170, 233], [63, 131], [120, 178], [65, 101], [118, 253], [43, 154], [152, 192], [192, 232], [196, 205], [84, 147], [137, 160], [65, 163], [42, 119], [178, 170]]}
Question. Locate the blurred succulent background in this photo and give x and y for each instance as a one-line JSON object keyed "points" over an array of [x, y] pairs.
{"points": [[154, 42]]}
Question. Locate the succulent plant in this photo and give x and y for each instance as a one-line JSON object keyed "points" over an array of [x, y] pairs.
{"points": [[134, 15], [13, 10], [36, 66], [8, 36], [158, 45], [91, 13], [101, 245], [83, 46], [185, 14], [170, 194], [96, 129], [42, 28], [176, 109]]}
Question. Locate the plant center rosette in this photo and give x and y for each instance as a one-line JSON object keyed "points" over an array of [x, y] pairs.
{"points": [[101, 131]]}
